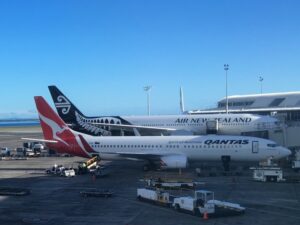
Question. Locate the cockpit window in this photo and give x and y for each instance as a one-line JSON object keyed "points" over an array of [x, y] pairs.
{"points": [[272, 145]]}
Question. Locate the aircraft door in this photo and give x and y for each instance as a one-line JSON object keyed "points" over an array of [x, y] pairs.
{"points": [[255, 147], [212, 126]]}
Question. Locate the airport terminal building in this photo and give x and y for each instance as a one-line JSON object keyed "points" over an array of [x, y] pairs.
{"points": [[285, 106]]}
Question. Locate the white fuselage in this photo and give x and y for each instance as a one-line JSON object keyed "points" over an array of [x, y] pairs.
{"points": [[195, 148], [233, 124]]}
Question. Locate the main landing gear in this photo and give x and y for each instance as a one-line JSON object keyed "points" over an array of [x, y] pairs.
{"points": [[150, 166], [226, 162]]}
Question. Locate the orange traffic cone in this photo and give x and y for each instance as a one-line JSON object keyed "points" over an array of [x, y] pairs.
{"points": [[205, 216]]}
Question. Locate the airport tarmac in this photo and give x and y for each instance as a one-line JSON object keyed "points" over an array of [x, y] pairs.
{"points": [[11, 136], [56, 200]]}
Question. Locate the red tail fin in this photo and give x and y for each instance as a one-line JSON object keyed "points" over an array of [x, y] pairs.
{"points": [[44, 109], [50, 121], [54, 128]]}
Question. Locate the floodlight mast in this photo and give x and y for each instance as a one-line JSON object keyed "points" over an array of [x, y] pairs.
{"points": [[261, 79], [226, 68], [148, 89]]}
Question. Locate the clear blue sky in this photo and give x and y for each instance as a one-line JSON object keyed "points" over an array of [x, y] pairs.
{"points": [[101, 53]]}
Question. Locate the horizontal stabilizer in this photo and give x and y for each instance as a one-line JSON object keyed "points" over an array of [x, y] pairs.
{"points": [[40, 140]]}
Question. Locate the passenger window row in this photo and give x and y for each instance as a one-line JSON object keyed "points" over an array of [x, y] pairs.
{"points": [[167, 146]]}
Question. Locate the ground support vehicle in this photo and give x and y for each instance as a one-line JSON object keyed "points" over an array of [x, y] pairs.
{"points": [[96, 193], [267, 174]]}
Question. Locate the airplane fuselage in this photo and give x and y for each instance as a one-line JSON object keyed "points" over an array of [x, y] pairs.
{"points": [[195, 148], [229, 124]]}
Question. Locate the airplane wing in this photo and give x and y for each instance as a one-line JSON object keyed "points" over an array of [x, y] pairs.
{"points": [[40, 140], [135, 126], [143, 156], [165, 160]]}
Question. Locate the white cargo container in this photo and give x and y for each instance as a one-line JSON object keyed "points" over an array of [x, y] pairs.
{"points": [[68, 173], [155, 196]]}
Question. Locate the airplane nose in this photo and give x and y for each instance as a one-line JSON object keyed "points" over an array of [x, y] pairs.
{"points": [[285, 152]]}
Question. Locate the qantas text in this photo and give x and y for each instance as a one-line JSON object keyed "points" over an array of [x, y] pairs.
{"points": [[230, 142]]}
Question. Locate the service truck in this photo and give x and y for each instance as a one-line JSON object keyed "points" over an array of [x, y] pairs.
{"points": [[155, 196], [267, 174], [5, 151], [203, 202], [172, 184]]}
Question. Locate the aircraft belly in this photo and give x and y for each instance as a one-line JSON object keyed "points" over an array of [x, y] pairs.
{"points": [[107, 156]]}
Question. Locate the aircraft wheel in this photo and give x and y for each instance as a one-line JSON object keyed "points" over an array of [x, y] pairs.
{"points": [[146, 167], [177, 207], [226, 162]]}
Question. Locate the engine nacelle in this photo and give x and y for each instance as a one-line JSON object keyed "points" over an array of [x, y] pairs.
{"points": [[173, 162]]}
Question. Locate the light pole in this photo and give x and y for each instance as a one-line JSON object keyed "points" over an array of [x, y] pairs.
{"points": [[261, 79], [148, 89], [226, 68]]}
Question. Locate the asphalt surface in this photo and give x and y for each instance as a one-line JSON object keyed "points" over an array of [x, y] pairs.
{"points": [[56, 200]]}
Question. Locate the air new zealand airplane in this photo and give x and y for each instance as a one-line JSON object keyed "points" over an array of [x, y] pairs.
{"points": [[225, 124]]}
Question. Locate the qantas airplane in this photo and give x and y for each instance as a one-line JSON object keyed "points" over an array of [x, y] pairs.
{"points": [[229, 124], [162, 151]]}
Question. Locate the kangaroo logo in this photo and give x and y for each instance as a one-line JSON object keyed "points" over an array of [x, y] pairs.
{"points": [[56, 129], [64, 104]]}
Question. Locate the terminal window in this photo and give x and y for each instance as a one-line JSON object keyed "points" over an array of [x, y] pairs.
{"points": [[276, 102], [237, 104]]}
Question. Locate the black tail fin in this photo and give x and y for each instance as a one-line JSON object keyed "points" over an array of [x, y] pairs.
{"points": [[65, 108]]}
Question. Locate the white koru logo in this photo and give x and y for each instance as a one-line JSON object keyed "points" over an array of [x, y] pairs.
{"points": [[63, 103]]}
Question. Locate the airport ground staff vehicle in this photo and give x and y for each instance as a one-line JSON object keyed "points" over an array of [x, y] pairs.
{"points": [[172, 184], [94, 192], [267, 174], [67, 172], [155, 196], [20, 152], [84, 167], [204, 202], [55, 170], [5, 151], [61, 171]]}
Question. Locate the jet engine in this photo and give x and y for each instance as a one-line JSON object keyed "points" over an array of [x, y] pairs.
{"points": [[173, 162]]}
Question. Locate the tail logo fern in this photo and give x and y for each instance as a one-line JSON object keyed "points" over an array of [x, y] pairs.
{"points": [[87, 125]]}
